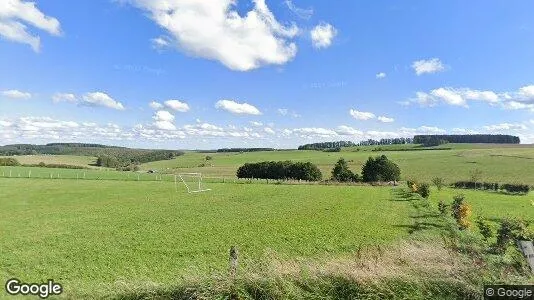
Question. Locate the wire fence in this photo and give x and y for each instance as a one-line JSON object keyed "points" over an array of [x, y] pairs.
{"points": [[104, 174]]}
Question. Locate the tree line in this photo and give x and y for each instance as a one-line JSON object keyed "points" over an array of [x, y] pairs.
{"points": [[107, 156], [467, 138], [327, 145], [376, 169], [280, 170], [341, 144], [223, 150]]}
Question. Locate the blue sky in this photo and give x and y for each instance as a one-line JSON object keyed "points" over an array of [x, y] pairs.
{"points": [[274, 73]]}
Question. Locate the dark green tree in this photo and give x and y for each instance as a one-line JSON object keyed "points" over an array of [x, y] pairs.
{"points": [[380, 168], [341, 172]]}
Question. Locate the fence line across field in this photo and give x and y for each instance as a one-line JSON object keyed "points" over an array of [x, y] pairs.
{"points": [[79, 174]]}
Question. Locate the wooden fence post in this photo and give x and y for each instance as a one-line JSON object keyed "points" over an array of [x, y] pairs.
{"points": [[233, 261]]}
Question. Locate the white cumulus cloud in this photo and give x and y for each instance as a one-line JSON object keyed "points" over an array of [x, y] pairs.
{"points": [[381, 75], [177, 105], [347, 130], [164, 120], [15, 15], [360, 115], [215, 30], [237, 108], [428, 66], [323, 35], [101, 99]]}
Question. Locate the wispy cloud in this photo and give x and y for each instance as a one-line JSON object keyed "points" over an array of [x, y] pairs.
{"points": [[522, 99], [303, 13], [16, 95], [15, 15]]}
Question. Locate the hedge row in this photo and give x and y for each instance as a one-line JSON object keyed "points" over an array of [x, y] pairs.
{"points": [[9, 162], [510, 188], [280, 170], [516, 188], [55, 166]]}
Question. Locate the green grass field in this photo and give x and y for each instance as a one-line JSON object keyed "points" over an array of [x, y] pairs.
{"points": [[88, 233], [499, 164], [92, 235], [132, 235], [83, 161]]}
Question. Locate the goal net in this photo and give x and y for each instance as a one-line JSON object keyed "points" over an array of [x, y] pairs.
{"points": [[192, 181]]}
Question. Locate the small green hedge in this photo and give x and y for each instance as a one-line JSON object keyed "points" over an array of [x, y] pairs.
{"points": [[508, 187], [8, 161]]}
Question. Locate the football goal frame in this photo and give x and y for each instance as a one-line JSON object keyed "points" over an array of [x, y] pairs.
{"points": [[191, 188]]}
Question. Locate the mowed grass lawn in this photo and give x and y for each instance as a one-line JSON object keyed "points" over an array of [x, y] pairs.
{"points": [[506, 164], [91, 235]]}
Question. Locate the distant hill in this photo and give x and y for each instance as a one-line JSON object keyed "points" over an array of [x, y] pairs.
{"points": [[108, 156]]}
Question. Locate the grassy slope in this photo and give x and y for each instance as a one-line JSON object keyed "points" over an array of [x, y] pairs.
{"points": [[85, 233], [74, 160], [503, 164], [104, 236]]}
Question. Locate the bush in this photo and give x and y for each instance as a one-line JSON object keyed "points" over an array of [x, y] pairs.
{"points": [[342, 173], [424, 190], [438, 182], [9, 162], [516, 188], [461, 211], [442, 207], [484, 228], [512, 230], [208, 157], [55, 166], [380, 169], [280, 170]]}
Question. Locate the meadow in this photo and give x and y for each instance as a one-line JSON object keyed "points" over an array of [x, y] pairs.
{"points": [[134, 235], [498, 164], [73, 160], [93, 233]]}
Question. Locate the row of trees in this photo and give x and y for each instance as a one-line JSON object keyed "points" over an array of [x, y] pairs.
{"points": [[376, 169], [341, 144], [244, 149], [327, 145], [468, 138], [394, 141], [280, 170]]}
